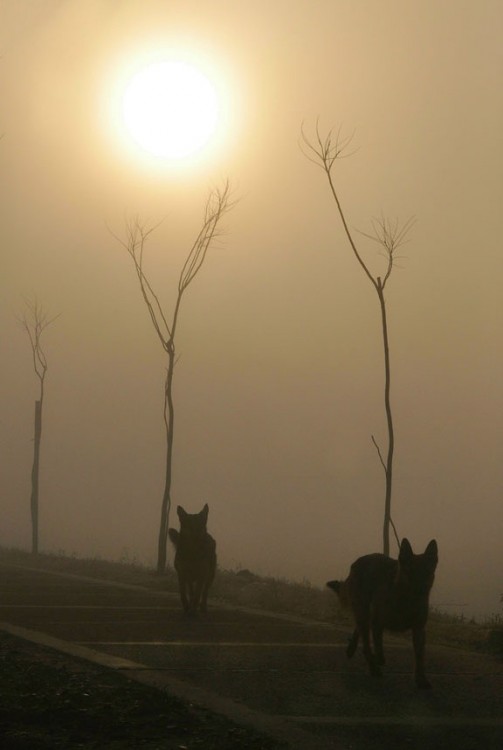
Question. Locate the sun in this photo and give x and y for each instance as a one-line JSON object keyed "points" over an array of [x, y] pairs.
{"points": [[170, 109]]}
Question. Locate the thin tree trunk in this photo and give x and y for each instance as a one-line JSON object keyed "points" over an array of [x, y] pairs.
{"points": [[169, 415], [389, 419], [35, 477]]}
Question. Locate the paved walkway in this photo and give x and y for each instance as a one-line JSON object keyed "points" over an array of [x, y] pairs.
{"points": [[287, 676]]}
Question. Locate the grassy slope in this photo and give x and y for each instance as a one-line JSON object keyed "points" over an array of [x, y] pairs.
{"points": [[246, 589]]}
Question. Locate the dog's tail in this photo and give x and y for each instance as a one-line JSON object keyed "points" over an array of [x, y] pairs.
{"points": [[334, 585], [340, 588], [174, 536]]}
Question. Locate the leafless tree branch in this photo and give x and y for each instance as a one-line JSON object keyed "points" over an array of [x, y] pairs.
{"points": [[385, 471], [218, 204], [390, 235], [395, 532], [325, 151], [34, 321], [379, 453]]}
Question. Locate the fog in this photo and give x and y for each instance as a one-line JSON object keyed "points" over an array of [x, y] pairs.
{"points": [[279, 384]]}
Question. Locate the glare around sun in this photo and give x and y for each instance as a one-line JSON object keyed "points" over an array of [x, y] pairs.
{"points": [[170, 109]]}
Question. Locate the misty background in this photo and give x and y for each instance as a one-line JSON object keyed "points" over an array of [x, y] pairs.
{"points": [[279, 384]]}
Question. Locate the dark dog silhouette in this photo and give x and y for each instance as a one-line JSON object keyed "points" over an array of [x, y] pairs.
{"points": [[386, 594], [195, 559]]}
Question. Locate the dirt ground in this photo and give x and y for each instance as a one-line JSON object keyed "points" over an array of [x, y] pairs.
{"points": [[49, 701]]}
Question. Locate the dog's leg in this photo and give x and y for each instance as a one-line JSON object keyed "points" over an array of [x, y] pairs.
{"points": [[192, 608], [374, 667], [198, 585], [208, 580], [204, 596], [360, 604], [182, 585], [353, 643], [363, 625], [377, 635], [418, 639]]}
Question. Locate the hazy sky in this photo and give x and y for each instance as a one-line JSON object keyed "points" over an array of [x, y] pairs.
{"points": [[279, 384]]}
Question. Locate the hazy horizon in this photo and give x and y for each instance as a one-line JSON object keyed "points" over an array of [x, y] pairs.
{"points": [[279, 383]]}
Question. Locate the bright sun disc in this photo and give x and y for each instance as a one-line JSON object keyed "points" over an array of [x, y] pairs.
{"points": [[170, 109]]}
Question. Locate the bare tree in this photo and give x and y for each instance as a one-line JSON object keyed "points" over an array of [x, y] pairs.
{"points": [[390, 235], [35, 320], [217, 205]]}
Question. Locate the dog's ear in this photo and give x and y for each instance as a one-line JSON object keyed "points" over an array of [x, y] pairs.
{"points": [[204, 512], [431, 552], [406, 552], [181, 512]]}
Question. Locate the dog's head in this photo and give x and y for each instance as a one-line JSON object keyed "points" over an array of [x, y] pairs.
{"points": [[193, 524], [418, 570]]}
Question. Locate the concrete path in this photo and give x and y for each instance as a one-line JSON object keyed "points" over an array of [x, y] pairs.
{"points": [[286, 676]]}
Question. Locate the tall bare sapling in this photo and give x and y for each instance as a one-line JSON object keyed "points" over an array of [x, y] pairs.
{"points": [[217, 205], [35, 320], [390, 235]]}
